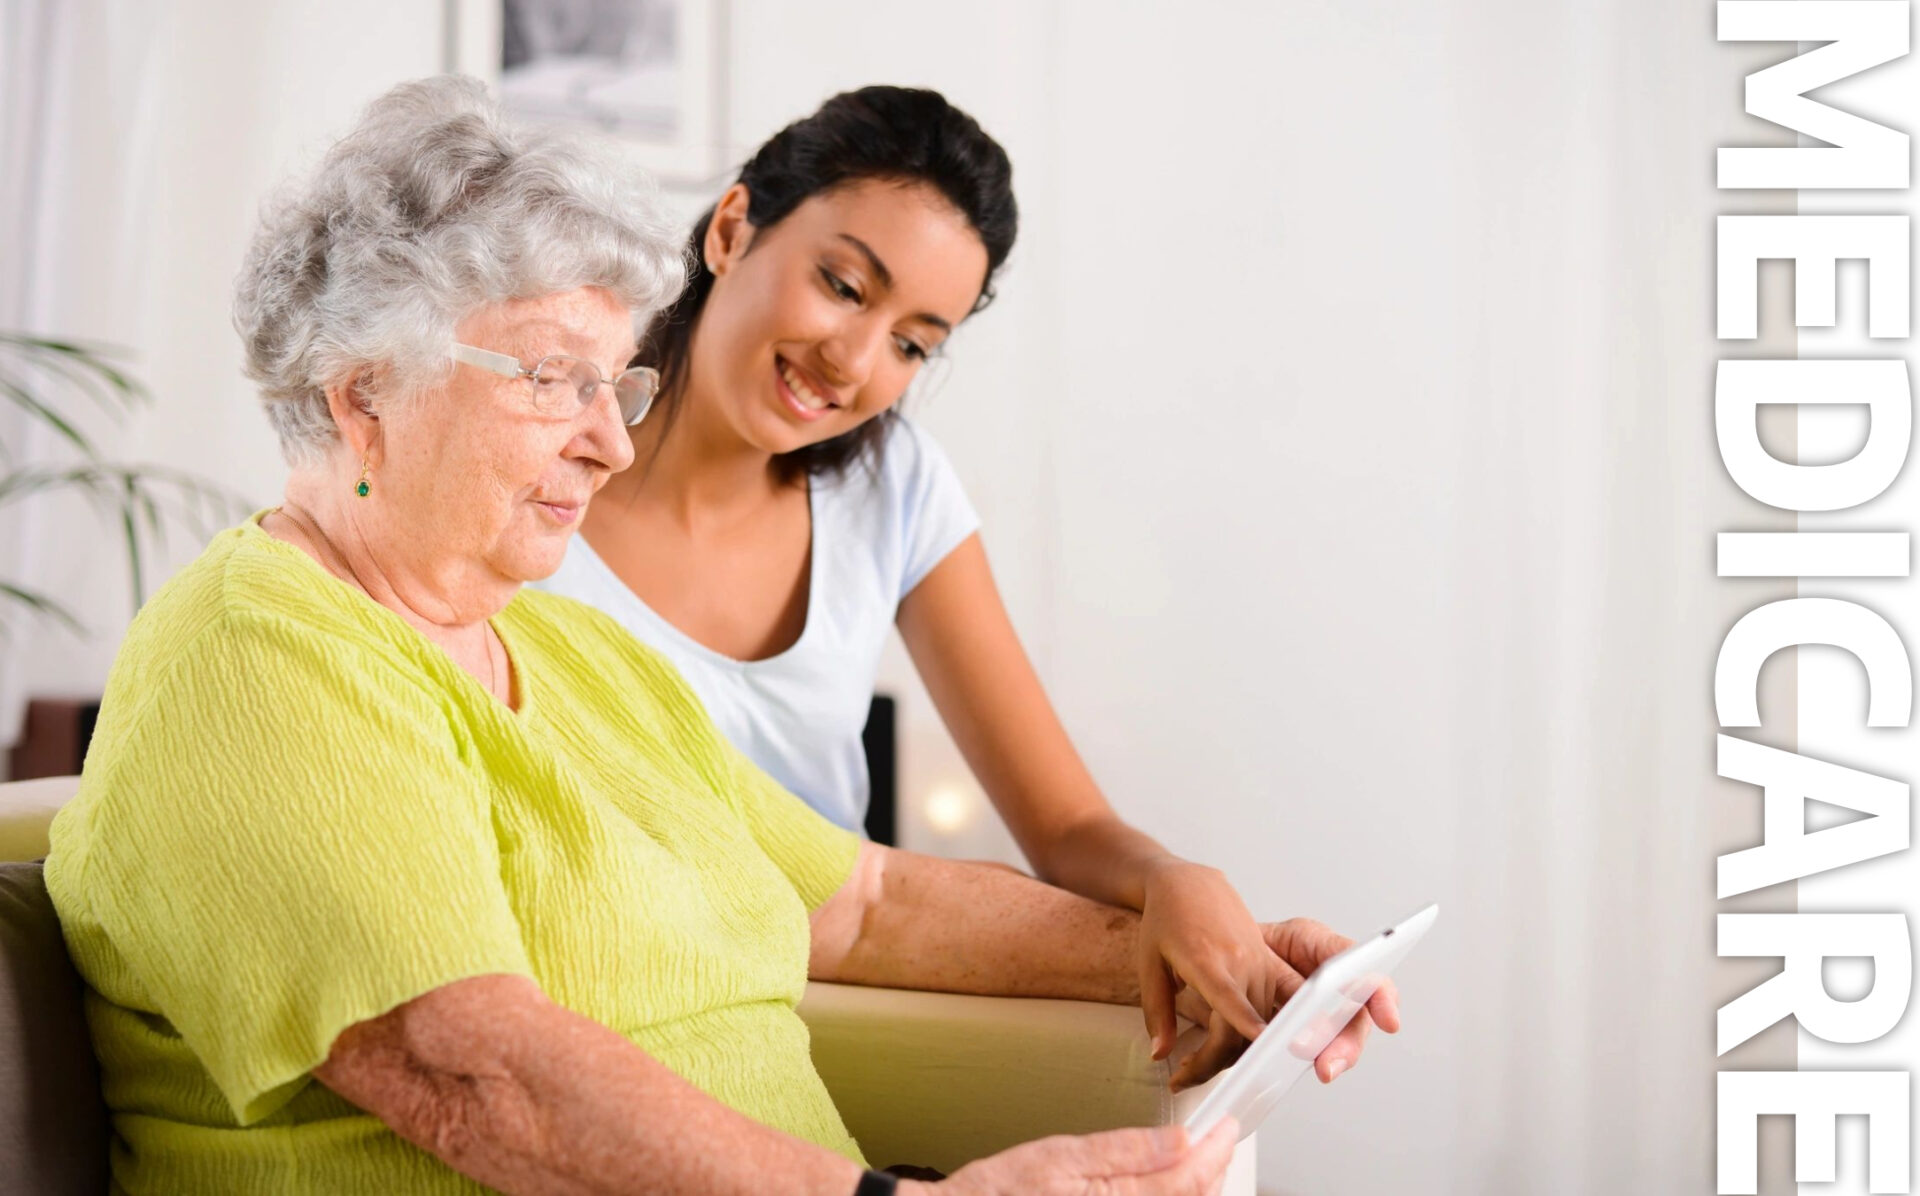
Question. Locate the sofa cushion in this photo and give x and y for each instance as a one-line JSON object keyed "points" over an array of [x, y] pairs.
{"points": [[53, 1126]]}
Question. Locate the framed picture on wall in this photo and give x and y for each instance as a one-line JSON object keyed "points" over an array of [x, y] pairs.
{"points": [[650, 71]]}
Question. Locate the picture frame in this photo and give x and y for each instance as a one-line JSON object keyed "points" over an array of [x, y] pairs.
{"points": [[649, 71]]}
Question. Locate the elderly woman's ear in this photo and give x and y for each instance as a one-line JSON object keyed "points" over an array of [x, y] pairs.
{"points": [[350, 402]]}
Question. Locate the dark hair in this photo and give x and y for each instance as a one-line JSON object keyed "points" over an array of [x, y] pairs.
{"points": [[900, 134]]}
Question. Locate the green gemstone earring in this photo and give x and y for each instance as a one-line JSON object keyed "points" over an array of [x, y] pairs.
{"points": [[363, 487]]}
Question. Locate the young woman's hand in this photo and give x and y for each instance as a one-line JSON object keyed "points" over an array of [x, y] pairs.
{"points": [[1140, 1162], [1196, 935], [1298, 946]]}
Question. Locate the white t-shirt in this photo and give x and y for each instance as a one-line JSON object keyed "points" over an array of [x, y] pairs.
{"points": [[798, 715]]}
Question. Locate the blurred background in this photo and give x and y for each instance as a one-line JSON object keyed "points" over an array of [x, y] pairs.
{"points": [[1341, 436]]}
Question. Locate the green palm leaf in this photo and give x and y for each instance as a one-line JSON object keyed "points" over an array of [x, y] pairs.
{"points": [[142, 501], [36, 603]]}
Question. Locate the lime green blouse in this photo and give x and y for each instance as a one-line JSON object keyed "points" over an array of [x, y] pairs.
{"points": [[298, 813]]}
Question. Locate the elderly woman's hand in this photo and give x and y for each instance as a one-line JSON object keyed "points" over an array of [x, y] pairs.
{"points": [[1295, 948], [1139, 1162]]}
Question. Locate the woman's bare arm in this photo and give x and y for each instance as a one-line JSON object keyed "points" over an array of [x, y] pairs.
{"points": [[965, 648], [510, 1089], [525, 1096], [1196, 931], [904, 920]]}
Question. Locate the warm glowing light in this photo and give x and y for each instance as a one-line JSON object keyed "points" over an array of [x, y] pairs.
{"points": [[949, 807]]}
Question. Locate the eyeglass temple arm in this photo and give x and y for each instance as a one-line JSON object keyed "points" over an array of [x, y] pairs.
{"points": [[504, 364]]}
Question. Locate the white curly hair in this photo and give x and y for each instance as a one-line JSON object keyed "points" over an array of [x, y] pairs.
{"points": [[434, 206]]}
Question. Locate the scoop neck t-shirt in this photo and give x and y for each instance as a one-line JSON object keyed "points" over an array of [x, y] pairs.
{"points": [[298, 813], [877, 532]]}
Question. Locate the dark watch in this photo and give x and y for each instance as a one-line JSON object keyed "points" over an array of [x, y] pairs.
{"points": [[876, 1183]]}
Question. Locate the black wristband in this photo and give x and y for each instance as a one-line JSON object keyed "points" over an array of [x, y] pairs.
{"points": [[876, 1183]]}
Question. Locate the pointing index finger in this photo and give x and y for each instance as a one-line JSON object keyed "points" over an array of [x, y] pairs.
{"points": [[1227, 996]]}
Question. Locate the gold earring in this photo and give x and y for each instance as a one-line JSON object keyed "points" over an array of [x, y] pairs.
{"points": [[364, 487]]}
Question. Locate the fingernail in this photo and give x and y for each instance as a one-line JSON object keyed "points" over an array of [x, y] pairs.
{"points": [[1334, 1069]]}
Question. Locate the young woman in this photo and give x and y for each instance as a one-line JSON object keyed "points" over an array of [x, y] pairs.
{"points": [[781, 516]]}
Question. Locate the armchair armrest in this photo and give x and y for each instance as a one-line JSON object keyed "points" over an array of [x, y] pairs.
{"points": [[939, 1079], [26, 810]]}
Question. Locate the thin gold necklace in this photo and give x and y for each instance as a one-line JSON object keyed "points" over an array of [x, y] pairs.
{"points": [[493, 676]]}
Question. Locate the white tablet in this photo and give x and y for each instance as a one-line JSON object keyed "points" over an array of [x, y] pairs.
{"points": [[1304, 1026]]}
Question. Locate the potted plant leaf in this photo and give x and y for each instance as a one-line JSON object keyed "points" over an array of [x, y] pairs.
{"points": [[63, 386]]}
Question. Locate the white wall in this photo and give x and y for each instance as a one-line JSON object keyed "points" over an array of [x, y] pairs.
{"points": [[1341, 444]]}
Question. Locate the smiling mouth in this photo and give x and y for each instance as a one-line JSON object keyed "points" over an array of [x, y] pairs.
{"points": [[806, 402]]}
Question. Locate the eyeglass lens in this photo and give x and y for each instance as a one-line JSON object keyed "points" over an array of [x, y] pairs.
{"points": [[563, 385], [633, 389]]}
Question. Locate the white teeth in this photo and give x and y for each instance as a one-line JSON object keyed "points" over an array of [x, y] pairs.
{"points": [[800, 389]]}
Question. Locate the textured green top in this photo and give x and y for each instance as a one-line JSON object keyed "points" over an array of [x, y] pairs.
{"points": [[298, 813]]}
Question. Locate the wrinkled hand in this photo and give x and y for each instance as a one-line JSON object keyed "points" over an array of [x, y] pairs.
{"points": [[1296, 947], [1140, 1162]]}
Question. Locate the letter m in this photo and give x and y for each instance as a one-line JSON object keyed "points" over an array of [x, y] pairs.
{"points": [[1858, 35]]}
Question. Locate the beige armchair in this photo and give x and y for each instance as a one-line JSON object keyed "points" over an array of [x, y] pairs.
{"points": [[932, 1079]]}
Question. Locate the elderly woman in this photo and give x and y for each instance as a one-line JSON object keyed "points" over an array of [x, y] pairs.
{"points": [[387, 876]]}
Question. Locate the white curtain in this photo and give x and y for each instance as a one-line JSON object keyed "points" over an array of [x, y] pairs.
{"points": [[1589, 810], [25, 34], [77, 103]]}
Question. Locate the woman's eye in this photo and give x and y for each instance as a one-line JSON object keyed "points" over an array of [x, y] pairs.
{"points": [[839, 287], [910, 350]]}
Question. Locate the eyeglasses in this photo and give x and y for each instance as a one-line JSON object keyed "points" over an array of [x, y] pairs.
{"points": [[564, 386]]}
